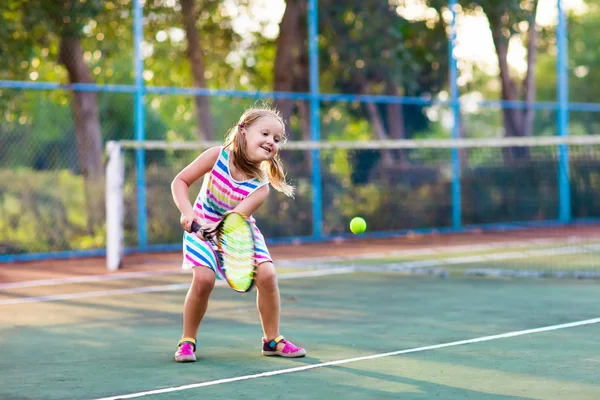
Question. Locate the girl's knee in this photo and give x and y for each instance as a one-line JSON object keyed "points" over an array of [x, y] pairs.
{"points": [[203, 281], [267, 277]]}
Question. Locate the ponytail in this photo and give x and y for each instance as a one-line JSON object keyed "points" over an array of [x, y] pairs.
{"points": [[276, 175]]}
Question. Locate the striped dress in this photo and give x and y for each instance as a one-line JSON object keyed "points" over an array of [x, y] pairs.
{"points": [[220, 193]]}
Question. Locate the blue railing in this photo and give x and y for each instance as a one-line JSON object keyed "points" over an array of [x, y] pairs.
{"points": [[562, 107]]}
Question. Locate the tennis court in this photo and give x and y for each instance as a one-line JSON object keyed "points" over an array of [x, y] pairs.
{"points": [[372, 329], [463, 134]]}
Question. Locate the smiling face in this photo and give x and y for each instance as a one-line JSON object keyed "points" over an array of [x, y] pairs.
{"points": [[263, 138]]}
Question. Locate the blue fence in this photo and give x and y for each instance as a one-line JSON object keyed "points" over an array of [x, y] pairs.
{"points": [[315, 97]]}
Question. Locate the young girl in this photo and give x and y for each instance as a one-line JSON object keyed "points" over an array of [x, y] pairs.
{"points": [[238, 180]]}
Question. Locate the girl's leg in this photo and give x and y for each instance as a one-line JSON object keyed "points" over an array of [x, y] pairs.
{"points": [[196, 300], [194, 308], [267, 299]]}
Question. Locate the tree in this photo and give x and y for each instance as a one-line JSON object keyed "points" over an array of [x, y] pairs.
{"points": [[287, 56], [196, 59], [16, 42], [68, 18], [369, 48], [65, 19], [507, 19], [190, 41], [583, 59]]}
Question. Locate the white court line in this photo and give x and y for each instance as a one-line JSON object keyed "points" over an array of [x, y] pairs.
{"points": [[511, 255], [418, 264], [161, 288], [99, 293], [351, 360], [465, 259], [92, 278]]}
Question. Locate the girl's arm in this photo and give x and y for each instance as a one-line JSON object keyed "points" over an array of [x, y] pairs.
{"points": [[190, 174], [251, 203]]}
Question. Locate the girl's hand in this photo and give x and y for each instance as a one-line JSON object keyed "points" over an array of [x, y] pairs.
{"points": [[186, 221], [186, 224], [209, 230]]}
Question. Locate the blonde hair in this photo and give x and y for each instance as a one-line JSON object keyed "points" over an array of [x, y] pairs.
{"points": [[273, 168]]}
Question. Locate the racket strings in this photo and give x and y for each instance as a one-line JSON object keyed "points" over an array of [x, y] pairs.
{"points": [[237, 248]]}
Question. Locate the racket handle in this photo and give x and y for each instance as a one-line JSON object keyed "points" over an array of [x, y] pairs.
{"points": [[196, 227]]}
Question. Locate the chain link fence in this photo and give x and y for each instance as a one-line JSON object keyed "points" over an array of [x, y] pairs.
{"points": [[68, 84]]}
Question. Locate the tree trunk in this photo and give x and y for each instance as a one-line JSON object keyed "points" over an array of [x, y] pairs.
{"points": [[286, 69], [304, 115], [395, 121], [286, 57], [302, 84], [87, 128], [463, 153], [529, 83], [387, 159], [196, 60], [513, 118]]}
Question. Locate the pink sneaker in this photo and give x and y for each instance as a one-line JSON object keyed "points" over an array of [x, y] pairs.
{"points": [[185, 350], [290, 350]]}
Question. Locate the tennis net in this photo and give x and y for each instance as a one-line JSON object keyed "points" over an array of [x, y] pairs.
{"points": [[400, 187]]}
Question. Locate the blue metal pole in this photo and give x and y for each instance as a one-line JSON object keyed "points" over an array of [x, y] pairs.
{"points": [[564, 191], [315, 118], [454, 97], [140, 135]]}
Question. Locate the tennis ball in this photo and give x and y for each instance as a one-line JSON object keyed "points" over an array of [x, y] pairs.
{"points": [[358, 225]]}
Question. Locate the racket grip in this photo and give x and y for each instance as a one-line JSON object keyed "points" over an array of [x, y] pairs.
{"points": [[196, 227]]}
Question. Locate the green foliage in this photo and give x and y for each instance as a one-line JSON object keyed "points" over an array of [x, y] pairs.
{"points": [[16, 42], [364, 46], [490, 193], [583, 59], [40, 134], [168, 61], [357, 53], [279, 216], [528, 192], [511, 12], [410, 198], [44, 211]]}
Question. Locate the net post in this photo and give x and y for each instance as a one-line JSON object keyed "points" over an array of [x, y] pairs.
{"points": [[562, 90], [315, 117], [454, 94], [115, 171], [139, 123]]}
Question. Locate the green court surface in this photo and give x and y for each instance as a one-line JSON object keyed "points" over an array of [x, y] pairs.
{"points": [[106, 346]]}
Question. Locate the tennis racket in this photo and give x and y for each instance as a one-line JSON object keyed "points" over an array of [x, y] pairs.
{"points": [[233, 242]]}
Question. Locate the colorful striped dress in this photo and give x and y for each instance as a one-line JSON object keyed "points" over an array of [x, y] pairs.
{"points": [[220, 193]]}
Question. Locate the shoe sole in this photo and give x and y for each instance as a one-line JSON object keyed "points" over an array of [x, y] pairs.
{"points": [[185, 359], [297, 354]]}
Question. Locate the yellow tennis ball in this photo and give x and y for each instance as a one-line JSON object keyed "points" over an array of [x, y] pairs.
{"points": [[358, 225]]}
